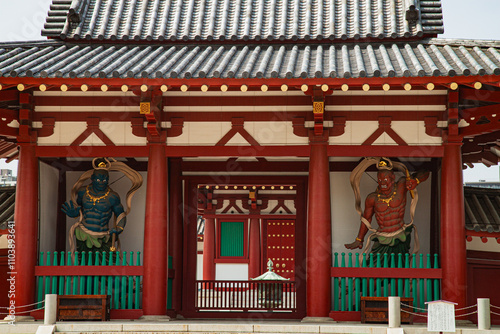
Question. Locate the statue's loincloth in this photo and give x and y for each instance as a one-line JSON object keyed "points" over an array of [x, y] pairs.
{"points": [[399, 243], [89, 243]]}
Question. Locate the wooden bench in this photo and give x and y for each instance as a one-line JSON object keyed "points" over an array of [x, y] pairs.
{"points": [[83, 307], [376, 309]]}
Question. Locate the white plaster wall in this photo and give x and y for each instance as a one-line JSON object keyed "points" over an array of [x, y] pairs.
{"points": [[132, 238], [345, 219], [265, 133], [3, 241], [199, 267], [120, 133], [48, 193], [64, 133], [412, 132], [231, 271], [49, 184], [477, 245]]}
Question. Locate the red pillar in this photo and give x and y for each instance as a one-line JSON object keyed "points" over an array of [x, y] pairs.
{"points": [[176, 210], [254, 249], [155, 234], [209, 250], [26, 230], [453, 248], [319, 245]]}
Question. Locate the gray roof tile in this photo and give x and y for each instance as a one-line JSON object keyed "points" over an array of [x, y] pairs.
{"points": [[192, 20], [482, 207], [433, 57]]}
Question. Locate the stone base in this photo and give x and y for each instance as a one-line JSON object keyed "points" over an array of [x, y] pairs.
{"points": [[318, 319], [20, 318], [155, 318]]}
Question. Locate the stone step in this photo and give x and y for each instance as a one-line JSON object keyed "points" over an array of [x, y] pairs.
{"points": [[222, 327]]}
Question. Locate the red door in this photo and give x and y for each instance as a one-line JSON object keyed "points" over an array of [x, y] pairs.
{"points": [[281, 247]]}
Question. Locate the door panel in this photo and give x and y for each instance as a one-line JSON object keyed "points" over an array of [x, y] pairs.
{"points": [[281, 247]]}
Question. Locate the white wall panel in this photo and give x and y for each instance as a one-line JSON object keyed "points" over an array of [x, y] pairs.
{"points": [[64, 133], [477, 245], [361, 130], [49, 184], [231, 271]]}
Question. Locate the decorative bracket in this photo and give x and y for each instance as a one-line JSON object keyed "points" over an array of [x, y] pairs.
{"points": [[384, 125], [47, 129]]}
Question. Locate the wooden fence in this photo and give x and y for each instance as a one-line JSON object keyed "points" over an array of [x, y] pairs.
{"points": [[245, 296], [403, 275], [101, 273]]}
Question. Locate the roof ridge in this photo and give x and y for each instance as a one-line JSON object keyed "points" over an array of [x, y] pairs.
{"points": [[463, 42], [179, 20]]}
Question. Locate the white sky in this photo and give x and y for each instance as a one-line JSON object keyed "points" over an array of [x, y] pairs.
{"points": [[22, 20]]}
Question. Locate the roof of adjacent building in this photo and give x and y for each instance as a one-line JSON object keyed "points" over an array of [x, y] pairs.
{"points": [[430, 58], [193, 20], [7, 203], [482, 209]]}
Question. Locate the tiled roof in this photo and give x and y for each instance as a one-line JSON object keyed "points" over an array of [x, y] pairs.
{"points": [[192, 20], [7, 201], [482, 209], [432, 58]]}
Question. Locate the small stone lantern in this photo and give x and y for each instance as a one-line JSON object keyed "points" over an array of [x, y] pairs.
{"points": [[270, 287]]}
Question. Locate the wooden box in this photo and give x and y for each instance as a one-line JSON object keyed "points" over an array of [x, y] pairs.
{"points": [[376, 309], [83, 307]]}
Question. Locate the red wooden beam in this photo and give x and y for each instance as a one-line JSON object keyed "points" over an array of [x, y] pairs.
{"points": [[89, 270], [482, 234], [480, 95], [240, 151], [91, 151], [387, 272], [385, 150]]}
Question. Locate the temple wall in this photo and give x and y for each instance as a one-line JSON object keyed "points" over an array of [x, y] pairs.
{"points": [[345, 219], [48, 193], [231, 271], [477, 245]]}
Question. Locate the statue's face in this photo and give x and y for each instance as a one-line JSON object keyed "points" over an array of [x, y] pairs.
{"points": [[100, 180], [385, 180]]}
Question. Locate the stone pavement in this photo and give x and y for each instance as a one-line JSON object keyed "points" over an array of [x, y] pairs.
{"points": [[222, 327]]}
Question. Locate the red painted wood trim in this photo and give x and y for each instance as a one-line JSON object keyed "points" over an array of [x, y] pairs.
{"points": [[482, 234], [393, 134], [91, 151], [374, 136], [345, 315], [472, 254], [89, 270], [387, 272], [261, 151], [126, 314], [231, 260], [249, 216], [474, 94], [385, 150]]}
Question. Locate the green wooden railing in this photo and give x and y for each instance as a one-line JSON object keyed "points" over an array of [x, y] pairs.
{"points": [[377, 275], [99, 273]]}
